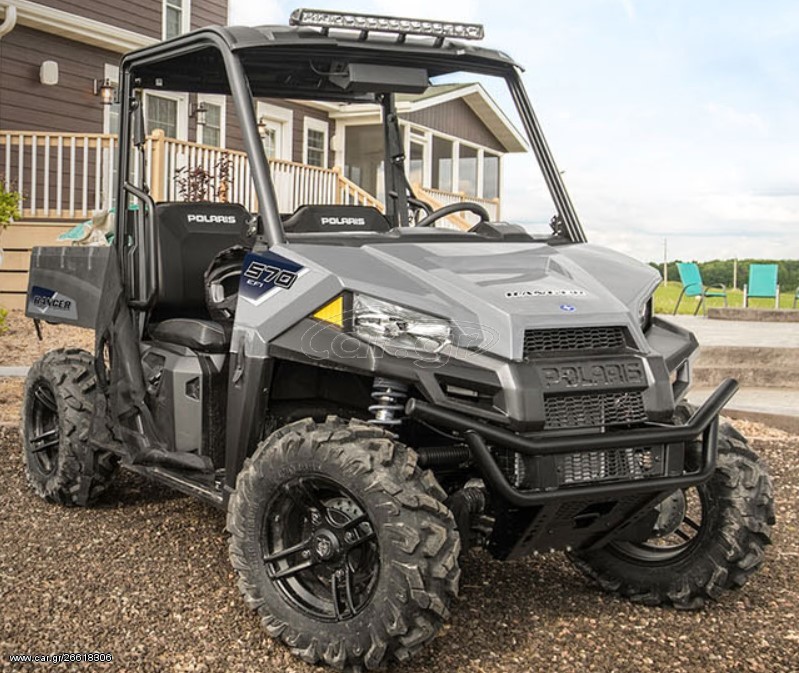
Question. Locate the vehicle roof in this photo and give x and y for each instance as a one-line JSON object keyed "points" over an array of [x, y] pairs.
{"points": [[243, 37], [189, 61]]}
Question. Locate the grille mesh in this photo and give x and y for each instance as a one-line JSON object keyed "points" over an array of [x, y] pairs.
{"points": [[593, 466], [587, 467], [593, 410], [544, 341]]}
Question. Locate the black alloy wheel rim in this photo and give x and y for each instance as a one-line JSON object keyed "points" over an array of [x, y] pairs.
{"points": [[686, 536], [320, 548], [44, 435]]}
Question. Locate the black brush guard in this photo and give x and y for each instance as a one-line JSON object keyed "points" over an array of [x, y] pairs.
{"points": [[479, 435]]}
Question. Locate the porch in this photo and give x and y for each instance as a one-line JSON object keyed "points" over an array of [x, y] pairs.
{"points": [[64, 178]]}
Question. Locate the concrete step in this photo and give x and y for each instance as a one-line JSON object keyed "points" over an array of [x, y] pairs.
{"points": [[752, 377], [776, 407], [752, 366], [754, 314], [738, 333], [749, 356]]}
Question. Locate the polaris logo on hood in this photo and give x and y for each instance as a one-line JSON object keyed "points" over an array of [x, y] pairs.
{"points": [[519, 294], [212, 219], [343, 221]]}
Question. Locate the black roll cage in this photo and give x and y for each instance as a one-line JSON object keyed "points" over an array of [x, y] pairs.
{"points": [[234, 44]]}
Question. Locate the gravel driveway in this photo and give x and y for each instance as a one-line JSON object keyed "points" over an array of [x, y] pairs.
{"points": [[146, 577]]}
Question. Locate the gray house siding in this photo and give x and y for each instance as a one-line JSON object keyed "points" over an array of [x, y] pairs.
{"points": [[69, 106]]}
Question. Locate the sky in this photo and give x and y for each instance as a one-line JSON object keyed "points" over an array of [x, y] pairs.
{"points": [[673, 122]]}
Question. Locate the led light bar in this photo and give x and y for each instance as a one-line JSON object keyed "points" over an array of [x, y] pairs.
{"points": [[385, 24]]}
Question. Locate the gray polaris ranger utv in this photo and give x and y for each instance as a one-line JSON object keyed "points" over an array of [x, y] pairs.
{"points": [[367, 394]]}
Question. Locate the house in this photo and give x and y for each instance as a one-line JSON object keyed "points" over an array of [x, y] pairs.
{"points": [[58, 71]]}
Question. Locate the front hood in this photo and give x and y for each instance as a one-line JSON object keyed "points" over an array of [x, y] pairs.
{"points": [[497, 289]]}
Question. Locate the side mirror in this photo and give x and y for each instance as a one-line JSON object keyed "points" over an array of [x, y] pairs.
{"points": [[139, 130]]}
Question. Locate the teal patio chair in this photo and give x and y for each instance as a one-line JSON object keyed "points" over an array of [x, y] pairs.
{"points": [[692, 286], [762, 283], [796, 297]]}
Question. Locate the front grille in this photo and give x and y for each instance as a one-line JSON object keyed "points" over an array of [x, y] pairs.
{"points": [[593, 410], [575, 469], [610, 465], [542, 342]]}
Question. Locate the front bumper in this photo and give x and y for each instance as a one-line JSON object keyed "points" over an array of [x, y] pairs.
{"points": [[669, 440]]}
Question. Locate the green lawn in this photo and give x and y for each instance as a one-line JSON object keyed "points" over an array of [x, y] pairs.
{"points": [[666, 298]]}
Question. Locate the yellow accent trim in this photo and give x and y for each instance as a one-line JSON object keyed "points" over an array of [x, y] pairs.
{"points": [[332, 312]]}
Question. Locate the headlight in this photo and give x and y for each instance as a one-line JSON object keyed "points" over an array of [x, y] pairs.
{"points": [[645, 314], [396, 328]]}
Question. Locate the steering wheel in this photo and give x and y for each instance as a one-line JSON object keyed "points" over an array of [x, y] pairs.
{"points": [[469, 206], [222, 283]]}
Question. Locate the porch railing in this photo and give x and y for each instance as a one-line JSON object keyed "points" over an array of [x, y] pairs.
{"points": [[59, 175], [71, 175], [447, 198]]}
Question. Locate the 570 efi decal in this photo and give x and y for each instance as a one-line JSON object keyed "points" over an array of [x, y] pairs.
{"points": [[264, 274]]}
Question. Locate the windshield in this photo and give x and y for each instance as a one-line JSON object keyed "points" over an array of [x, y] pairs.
{"points": [[458, 143]]}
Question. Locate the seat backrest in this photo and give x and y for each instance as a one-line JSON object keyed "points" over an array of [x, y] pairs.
{"points": [[763, 280], [330, 219], [691, 278], [189, 237]]}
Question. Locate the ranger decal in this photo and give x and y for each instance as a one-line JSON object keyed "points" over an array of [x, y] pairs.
{"points": [[51, 303]]}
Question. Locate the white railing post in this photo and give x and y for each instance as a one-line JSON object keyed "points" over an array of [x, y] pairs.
{"points": [[157, 166], [59, 177], [34, 174]]}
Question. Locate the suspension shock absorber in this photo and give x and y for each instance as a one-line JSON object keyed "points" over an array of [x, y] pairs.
{"points": [[389, 396]]}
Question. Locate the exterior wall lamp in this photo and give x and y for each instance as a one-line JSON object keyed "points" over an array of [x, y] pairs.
{"points": [[106, 90], [200, 113]]}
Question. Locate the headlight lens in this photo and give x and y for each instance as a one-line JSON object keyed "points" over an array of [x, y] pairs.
{"points": [[645, 314], [396, 328]]}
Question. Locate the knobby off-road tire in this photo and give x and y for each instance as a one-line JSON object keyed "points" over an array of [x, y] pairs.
{"points": [[57, 410], [728, 547], [392, 507]]}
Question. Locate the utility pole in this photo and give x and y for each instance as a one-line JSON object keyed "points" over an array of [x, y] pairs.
{"points": [[665, 260]]}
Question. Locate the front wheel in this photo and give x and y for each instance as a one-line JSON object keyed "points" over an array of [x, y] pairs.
{"points": [[342, 544], [707, 539]]}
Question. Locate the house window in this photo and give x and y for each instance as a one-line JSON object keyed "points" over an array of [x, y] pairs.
{"points": [[176, 18], [275, 125], [315, 143], [491, 176], [363, 157], [442, 164], [416, 163], [213, 131], [467, 170], [271, 141], [162, 113]]}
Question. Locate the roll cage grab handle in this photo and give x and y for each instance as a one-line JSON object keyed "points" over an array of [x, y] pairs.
{"points": [[272, 227]]}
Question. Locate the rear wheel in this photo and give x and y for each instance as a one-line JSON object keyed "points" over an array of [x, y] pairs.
{"points": [[707, 539], [342, 544], [57, 411]]}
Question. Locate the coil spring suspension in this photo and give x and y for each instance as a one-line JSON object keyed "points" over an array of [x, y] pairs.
{"points": [[390, 396]]}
